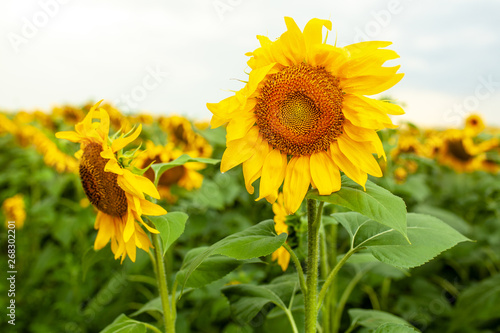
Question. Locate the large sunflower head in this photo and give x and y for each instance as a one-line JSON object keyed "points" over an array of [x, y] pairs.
{"points": [[303, 116], [112, 186]]}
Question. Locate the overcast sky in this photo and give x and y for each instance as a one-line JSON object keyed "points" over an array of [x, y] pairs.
{"points": [[175, 56]]}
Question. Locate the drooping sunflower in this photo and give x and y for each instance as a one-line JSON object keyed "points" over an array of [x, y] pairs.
{"points": [[303, 116], [111, 186]]}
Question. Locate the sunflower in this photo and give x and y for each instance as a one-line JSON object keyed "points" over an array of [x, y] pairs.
{"points": [[281, 254], [186, 176], [111, 186], [180, 132], [14, 210], [7, 125], [474, 124], [461, 153], [302, 116], [28, 135]]}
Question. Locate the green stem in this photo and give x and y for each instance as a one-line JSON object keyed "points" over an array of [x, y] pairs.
{"points": [[384, 293], [343, 300], [298, 266], [333, 273], [311, 296], [162, 284], [152, 328], [329, 259], [292, 321], [324, 269]]}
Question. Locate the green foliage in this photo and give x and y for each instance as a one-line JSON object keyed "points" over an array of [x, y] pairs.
{"points": [[410, 272], [171, 226], [376, 203], [259, 240]]}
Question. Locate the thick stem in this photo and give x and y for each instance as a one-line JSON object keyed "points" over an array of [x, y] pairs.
{"points": [[329, 259], [161, 276], [311, 297]]}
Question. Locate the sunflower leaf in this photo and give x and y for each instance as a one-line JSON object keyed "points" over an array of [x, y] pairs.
{"points": [[376, 203], [160, 168], [171, 226], [429, 237], [257, 241], [211, 269]]}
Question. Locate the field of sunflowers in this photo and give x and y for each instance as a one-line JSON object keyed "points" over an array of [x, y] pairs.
{"points": [[448, 173], [337, 220]]}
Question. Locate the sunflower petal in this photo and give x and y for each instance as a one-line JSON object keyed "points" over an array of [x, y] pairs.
{"points": [[325, 173], [105, 232], [129, 226], [359, 153], [131, 249], [238, 151], [252, 168], [122, 141], [273, 173], [297, 180], [293, 43], [347, 166], [369, 84], [151, 209], [69, 135]]}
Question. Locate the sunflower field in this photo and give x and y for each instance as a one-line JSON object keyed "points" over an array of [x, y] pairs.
{"points": [[337, 220]]}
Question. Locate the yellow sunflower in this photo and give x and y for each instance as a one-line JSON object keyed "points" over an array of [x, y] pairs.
{"points": [[180, 132], [280, 213], [461, 153], [302, 116], [14, 210], [112, 187], [474, 124], [186, 176]]}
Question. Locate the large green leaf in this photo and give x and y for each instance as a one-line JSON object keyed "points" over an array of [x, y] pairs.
{"points": [[124, 324], [160, 168], [211, 269], [376, 203], [171, 226], [452, 219], [428, 235], [257, 241], [373, 318]]}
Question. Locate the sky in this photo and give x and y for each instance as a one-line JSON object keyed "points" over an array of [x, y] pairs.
{"points": [[166, 57]]}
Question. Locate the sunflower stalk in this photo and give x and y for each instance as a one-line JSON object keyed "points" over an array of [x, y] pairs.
{"points": [[311, 296], [161, 277]]}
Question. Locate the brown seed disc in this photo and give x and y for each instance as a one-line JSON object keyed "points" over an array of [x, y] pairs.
{"points": [[299, 109], [101, 187]]}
